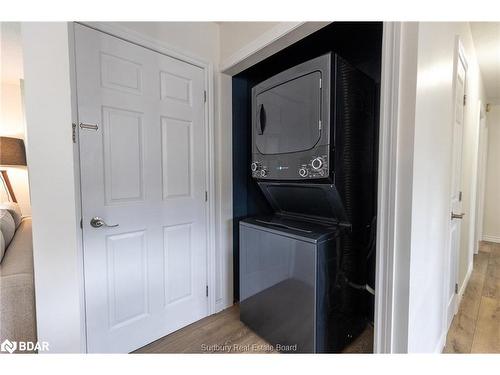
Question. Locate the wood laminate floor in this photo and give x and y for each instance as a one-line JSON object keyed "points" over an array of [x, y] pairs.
{"points": [[476, 327], [225, 333]]}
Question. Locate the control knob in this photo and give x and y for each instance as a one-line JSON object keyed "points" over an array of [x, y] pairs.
{"points": [[317, 163], [263, 173], [303, 172], [254, 166]]}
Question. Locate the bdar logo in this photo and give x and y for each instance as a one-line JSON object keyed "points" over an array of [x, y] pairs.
{"points": [[8, 346]]}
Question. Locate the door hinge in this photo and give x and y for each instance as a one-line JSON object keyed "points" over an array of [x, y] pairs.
{"points": [[456, 288], [205, 96], [206, 196], [320, 83], [465, 99], [460, 196], [73, 127], [319, 124], [81, 223], [206, 291]]}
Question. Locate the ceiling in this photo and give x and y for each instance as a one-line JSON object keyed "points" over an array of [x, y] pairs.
{"points": [[486, 36], [12, 57]]}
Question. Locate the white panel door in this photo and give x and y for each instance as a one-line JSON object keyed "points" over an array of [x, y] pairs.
{"points": [[456, 194], [143, 160]]}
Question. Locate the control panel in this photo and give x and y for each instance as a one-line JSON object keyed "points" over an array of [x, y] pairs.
{"points": [[317, 167], [258, 170], [311, 165], [311, 168]]}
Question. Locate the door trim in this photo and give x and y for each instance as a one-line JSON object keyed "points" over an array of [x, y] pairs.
{"points": [[395, 182], [482, 165], [385, 243], [157, 46]]}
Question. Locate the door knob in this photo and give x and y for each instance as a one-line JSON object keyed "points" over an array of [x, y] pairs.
{"points": [[97, 222], [457, 216]]}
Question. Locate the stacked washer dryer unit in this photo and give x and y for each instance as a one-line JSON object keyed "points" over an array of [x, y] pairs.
{"points": [[303, 269]]}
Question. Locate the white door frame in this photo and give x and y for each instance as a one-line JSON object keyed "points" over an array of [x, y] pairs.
{"points": [[395, 181], [157, 46], [385, 243], [482, 164]]}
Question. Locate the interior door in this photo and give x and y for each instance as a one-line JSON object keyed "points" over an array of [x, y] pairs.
{"points": [[456, 194], [143, 159]]}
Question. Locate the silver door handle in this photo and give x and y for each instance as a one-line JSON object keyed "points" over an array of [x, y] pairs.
{"points": [[89, 126], [97, 222], [457, 216]]}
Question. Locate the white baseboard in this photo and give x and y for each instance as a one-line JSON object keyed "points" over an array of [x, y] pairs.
{"points": [[464, 285], [441, 343], [442, 340], [491, 238]]}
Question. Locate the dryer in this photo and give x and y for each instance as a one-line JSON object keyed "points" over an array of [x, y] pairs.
{"points": [[310, 121]]}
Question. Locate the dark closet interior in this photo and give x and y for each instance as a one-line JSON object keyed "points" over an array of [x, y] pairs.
{"points": [[359, 43]]}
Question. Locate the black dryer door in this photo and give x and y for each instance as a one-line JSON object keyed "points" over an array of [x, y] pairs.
{"points": [[287, 117]]}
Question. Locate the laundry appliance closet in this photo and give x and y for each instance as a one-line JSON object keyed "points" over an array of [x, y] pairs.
{"points": [[307, 118]]}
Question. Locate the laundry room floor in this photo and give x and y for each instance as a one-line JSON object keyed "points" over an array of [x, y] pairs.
{"points": [[476, 327], [225, 333]]}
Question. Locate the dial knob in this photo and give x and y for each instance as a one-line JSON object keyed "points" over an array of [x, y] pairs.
{"points": [[263, 173], [254, 166], [303, 172], [317, 163]]}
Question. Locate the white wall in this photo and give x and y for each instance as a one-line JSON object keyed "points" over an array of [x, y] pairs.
{"points": [[244, 44], [195, 39], [58, 286], [432, 177], [235, 35], [491, 223]]}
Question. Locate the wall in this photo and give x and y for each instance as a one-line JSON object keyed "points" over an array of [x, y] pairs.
{"points": [[235, 35], [432, 177], [56, 255], [11, 107], [491, 223], [195, 39]]}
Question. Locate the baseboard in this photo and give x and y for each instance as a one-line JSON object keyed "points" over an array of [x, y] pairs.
{"points": [[441, 343], [221, 304], [491, 238], [464, 284], [442, 340]]}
